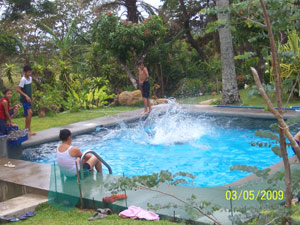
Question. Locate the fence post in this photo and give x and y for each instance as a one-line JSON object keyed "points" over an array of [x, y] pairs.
{"points": [[231, 206]]}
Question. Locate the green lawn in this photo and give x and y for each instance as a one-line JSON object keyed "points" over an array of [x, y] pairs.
{"points": [[48, 215], [65, 118], [252, 101]]}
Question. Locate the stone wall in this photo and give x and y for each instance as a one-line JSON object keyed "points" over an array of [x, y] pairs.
{"points": [[3, 146]]}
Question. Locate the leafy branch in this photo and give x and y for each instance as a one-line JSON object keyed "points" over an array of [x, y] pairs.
{"points": [[148, 183]]}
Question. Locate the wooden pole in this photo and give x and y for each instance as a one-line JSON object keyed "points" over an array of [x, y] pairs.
{"points": [[79, 186]]}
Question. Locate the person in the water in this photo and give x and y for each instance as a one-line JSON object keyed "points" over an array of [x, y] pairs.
{"points": [[67, 155]]}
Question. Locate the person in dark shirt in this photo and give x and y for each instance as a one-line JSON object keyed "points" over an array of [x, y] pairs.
{"points": [[25, 90]]}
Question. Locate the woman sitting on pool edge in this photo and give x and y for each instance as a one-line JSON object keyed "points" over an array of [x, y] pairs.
{"points": [[67, 155], [7, 112]]}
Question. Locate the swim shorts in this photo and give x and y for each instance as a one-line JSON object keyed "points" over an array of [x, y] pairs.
{"points": [[146, 89], [26, 106], [86, 166]]}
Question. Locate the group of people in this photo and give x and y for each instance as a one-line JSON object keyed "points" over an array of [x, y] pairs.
{"points": [[68, 156], [25, 90], [7, 112]]}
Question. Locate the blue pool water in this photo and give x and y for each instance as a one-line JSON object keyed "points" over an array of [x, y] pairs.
{"points": [[205, 146]]}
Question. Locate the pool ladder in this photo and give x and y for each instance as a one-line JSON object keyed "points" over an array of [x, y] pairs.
{"points": [[98, 157]]}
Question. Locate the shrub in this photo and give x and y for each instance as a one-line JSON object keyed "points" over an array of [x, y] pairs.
{"points": [[189, 87]]}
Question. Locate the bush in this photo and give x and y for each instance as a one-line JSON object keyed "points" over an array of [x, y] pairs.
{"points": [[240, 81], [87, 94], [213, 86], [48, 99], [189, 87]]}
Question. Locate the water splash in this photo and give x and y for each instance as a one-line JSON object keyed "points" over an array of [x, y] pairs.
{"points": [[175, 126]]}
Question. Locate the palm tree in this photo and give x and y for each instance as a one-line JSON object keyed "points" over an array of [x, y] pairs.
{"points": [[229, 83], [66, 46]]}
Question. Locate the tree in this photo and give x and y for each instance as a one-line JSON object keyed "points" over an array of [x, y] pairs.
{"points": [[16, 9], [9, 45], [230, 93], [187, 16], [250, 32], [134, 14], [128, 42]]}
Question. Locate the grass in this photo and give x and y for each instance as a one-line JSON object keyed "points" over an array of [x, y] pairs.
{"points": [[46, 214], [65, 118], [252, 101], [197, 100]]}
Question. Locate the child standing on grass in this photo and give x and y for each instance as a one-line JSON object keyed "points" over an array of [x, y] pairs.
{"points": [[25, 90], [144, 83]]}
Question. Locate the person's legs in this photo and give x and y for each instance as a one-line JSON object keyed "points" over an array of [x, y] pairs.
{"points": [[3, 130], [99, 166], [28, 121], [145, 105], [93, 161], [28, 115], [149, 105]]}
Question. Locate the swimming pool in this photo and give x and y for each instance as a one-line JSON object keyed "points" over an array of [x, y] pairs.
{"points": [[206, 146]]}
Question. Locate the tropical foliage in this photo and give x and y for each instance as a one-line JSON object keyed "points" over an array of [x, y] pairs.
{"points": [[84, 52]]}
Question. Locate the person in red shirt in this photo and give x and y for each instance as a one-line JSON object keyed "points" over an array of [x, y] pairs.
{"points": [[5, 109]]}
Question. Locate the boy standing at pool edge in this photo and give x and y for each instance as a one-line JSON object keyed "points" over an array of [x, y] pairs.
{"points": [[144, 83], [25, 91]]}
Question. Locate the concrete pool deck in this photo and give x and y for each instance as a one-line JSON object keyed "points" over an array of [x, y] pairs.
{"points": [[30, 177]]}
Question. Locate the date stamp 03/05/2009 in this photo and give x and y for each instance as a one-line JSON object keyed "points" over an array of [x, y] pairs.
{"points": [[262, 195]]}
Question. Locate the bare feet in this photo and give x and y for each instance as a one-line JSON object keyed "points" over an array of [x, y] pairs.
{"points": [[32, 133], [144, 113]]}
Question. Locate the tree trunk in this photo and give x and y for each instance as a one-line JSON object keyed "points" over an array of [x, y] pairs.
{"points": [[132, 13], [189, 36], [130, 75], [162, 79], [261, 68], [230, 93], [287, 169]]}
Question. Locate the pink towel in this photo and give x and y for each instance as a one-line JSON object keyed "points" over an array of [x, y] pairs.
{"points": [[137, 212]]}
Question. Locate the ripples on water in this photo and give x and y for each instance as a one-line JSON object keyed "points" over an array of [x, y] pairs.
{"points": [[177, 141]]}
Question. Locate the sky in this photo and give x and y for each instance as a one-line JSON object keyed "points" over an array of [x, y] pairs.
{"points": [[155, 3]]}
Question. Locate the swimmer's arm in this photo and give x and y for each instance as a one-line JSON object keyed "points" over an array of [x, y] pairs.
{"points": [[75, 152]]}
